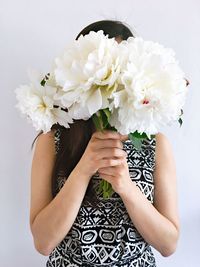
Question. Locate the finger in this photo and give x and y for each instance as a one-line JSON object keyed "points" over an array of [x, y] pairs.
{"points": [[110, 162], [106, 134], [109, 170], [106, 143], [107, 173], [108, 178], [111, 153], [124, 137]]}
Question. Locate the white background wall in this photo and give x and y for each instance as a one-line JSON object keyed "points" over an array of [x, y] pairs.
{"points": [[32, 33]]}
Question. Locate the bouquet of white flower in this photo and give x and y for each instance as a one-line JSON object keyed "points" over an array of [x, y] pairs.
{"points": [[133, 87], [37, 102]]}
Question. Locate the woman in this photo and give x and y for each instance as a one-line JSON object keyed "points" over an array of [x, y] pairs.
{"points": [[71, 223]]}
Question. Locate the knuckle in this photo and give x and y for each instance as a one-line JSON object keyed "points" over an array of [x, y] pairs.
{"points": [[116, 143], [121, 161], [120, 172], [109, 161], [111, 134], [90, 148], [125, 153], [96, 134], [115, 151], [93, 136], [92, 140], [121, 144]]}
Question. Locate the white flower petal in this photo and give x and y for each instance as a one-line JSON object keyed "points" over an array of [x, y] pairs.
{"points": [[152, 80], [92, 60], [94, 102]]}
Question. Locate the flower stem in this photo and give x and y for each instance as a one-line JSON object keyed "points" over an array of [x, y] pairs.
{"points": [[101, 121]]}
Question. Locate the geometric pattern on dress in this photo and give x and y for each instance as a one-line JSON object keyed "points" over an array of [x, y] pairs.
{"points": [[105, 235]]}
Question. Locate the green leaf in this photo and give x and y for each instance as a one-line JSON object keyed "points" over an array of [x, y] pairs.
{"points": [[109, 127], [100, 187], [104, 119], [46, 77], [137, 142], [138, 135], [97, 121], [43, 81], [138, 138], [180, 121], [181, 112], [107, 112], [110, 190]]}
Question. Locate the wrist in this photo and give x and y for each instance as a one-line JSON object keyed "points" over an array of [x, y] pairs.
{"points": [[82, 173], [129, 191]]}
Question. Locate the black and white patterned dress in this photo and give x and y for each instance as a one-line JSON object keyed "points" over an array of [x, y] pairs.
{"points": [[105, 235]]}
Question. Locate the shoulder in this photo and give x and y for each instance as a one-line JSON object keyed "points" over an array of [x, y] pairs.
{"points": [[45, 143], [46, 137], [162, 141]]}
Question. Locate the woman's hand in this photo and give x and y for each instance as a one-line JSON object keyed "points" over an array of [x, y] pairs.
{"points": [[104, 152], [118, 176]]}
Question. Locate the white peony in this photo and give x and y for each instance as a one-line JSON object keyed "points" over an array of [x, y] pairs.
{"points": [[37, 103], [154, 88], [88, 72], [139, 81]]}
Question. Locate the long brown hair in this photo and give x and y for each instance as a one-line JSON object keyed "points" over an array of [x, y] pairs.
{"points": [[74, 140]]}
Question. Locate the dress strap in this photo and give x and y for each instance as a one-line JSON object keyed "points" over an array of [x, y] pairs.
{"points": [[57, 134]]}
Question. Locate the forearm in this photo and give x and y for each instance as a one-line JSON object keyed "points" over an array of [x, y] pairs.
{"points": [[53, 223], [155, 228]]}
